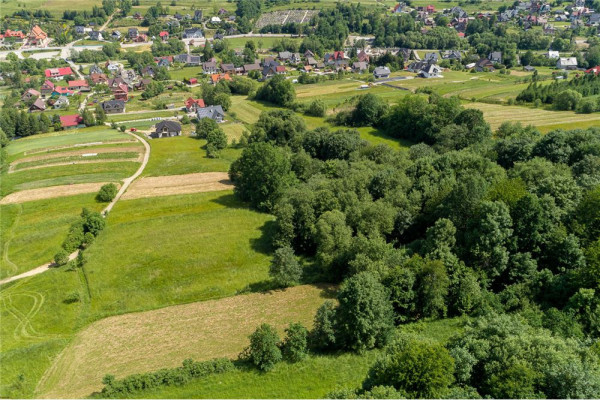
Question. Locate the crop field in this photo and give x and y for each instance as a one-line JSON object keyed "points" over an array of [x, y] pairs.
{"points": [[32, 232], [266, 43], [106, 346], [544, 120]]}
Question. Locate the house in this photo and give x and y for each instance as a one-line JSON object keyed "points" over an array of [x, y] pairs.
{"points": [[191, 81], [430, 9], [284, 56], [431, 57], [310, 61], [359, 67], [95, 69], [381, 72], [62, 91], [566, 63], [308, 53], [47, 88], [251, 67], [142, 38], [98, 78], [113, 83], [142, 84], [71, 121], [484, 65], [549, 29], [398, 8], [137, 16], [80, 84], [164, 36], [216, 78], [451, 55], [188, 59], [218, 36], [594, 70], [96, 35], [228, 68], [133, 33], [431, 71], [405, 53], [594, 19], [529, 68], [363, 57], [166, 129], [30, 94], [112, 67], [215, 113], [57, 73], [115, 35], [113, 106], [148, 70], [215, 20], [193, 33], [37, 37], [178, 16], [38, 105], [495, 57], [552, 54], [191, 104], [61, 102], [79, 29], [331, 58], [210, 67], [197, 15], [121, 92]]}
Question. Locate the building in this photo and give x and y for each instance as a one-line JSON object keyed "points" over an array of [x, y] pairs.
{"points": [[198, 16], [61, 102], [71, 121], [191, 104], [98, 78], [228, 68], [57, 73], [166, 129], [381, 72], [495, 57], [164, 36], [95, 69], [566, 63], [359, 67], [251, 67], [62, 91], [30, 94], [594, 70], [431, 71], [121, 92], [215, 113], [188, 59], [451, 55], [80, 84], [552, 54], [96, 35], [193, 33], [47, 88], [38, 105], [133, 33], [216, 78], [37, 37], [115, 35], [210, 67], [363, 57], [484, 65], [113, 106]]}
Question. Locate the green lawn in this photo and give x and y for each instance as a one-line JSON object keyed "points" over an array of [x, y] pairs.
{"points": [[66, 175], [32, 232], [73, 158], [183, 155], [176, 249]]}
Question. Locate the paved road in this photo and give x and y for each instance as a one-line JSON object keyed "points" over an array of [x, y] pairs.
{"points": [[107, 209]]}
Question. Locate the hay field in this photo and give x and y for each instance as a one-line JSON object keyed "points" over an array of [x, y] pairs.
{"points": [[178, 184]]}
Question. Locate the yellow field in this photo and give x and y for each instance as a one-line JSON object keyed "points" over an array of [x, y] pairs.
{"points": [[544, 120], [151, 340]]}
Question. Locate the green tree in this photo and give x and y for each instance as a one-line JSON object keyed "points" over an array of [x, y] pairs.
{"points": [[107, 193], [364, 316], [285, 269], [263, 350], [567, 100], [322, 337], [295, 344], [369, 110], [277, 90]]}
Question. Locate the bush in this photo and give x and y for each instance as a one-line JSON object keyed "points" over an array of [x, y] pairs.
{"points": [[107, 193], [587, 106], [72, 297], [567, 100], [61, 258], [263, 350], [294, 346], [322, 336], [316, 108], [285, 269]]}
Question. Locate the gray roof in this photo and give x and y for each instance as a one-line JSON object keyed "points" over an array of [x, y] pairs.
{"points": [[171, 126], [210, 112]]}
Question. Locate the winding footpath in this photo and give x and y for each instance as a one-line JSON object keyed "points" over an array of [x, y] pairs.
{"points": [[107, 209]]}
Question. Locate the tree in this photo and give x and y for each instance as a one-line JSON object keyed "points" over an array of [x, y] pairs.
{"points": [[294, 346], [61, 258], [567, 100], [285, 269], [364, 316], [333, 238], [369, 110], [419, 368], [216, 137], [277, 90], [107, 193], [322, 336], [88, 118], [432, 288], [316, 108], [261, 174], [263, 350]]}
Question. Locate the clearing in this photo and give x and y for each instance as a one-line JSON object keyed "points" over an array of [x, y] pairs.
{"points": [[142, 342], [51, 192], [178, 184]]}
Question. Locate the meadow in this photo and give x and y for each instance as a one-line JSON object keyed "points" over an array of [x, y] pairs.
{"points": [[32, 232]]}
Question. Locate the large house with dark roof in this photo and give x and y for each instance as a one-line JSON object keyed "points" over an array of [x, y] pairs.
{"points": [[166, 129]]}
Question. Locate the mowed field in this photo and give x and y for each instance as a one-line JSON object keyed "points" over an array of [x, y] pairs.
{"points": [[148, 341]]}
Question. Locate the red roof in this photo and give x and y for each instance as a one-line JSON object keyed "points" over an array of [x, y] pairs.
{"points": [[70, 120], [163, 34], [338, 55], [18, 34], [48, 84], [280, 68], [190, 101], [595, 70], [62, 90], [123, 87], [79, 82], [58, 71]]}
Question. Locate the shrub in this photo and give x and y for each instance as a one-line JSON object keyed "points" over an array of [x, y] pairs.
{"points": [[567, 100], [322, 336], [122, 128], [72, 297], [294, 346], [285, 269], [587, 106], [316, 108], [263, 350], [75, 237], [61, 258], [107, 193]]}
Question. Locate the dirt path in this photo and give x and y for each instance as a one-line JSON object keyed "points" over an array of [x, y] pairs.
{"points": [[51, 192], [178, 184], [126, 183]]}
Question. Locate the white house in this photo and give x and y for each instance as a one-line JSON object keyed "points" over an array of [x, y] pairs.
{"points": [[215, 20], [552, 54], [566, 63]]}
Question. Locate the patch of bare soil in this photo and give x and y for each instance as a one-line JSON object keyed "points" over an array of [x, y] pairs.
{"points": [[178, 184], [49, 156], [51, 192]]}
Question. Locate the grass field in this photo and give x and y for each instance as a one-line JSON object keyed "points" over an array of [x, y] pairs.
{"points": [[32, 232], [106, 346]]}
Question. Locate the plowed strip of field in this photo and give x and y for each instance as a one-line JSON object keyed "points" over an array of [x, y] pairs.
{"points": [[178, 184], [147, 341], [79, 145], [102, 150], [51, 192]]}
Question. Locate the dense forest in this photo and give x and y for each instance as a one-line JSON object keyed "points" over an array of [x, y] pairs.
{"points": [[500, 227]]}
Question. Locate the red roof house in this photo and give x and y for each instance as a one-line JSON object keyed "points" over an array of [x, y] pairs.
{"points": [[121, 92], [80, 84], [47, 88], [37, 36], [58, 72], [164, 35], [218, 77], [192, 104], [594, 70], [70, 121], [62, 91], [14, 34], [430, 9]]}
